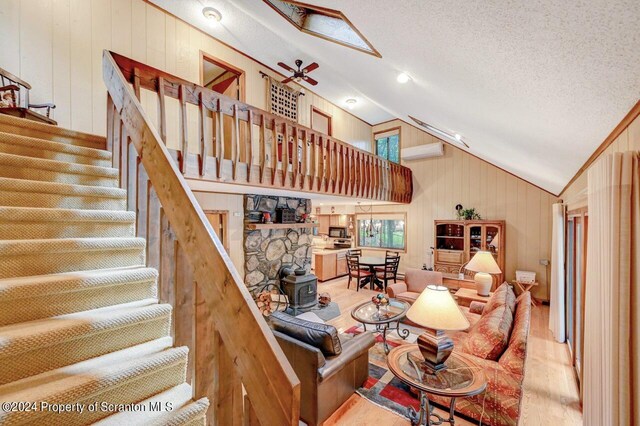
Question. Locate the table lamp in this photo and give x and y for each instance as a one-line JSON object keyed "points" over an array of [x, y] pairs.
{"points": [[436, 310], [483, 264]]}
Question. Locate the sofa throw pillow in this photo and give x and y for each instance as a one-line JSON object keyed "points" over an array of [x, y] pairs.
{"points": [[489, 338], [318, 335], [503, 295]]}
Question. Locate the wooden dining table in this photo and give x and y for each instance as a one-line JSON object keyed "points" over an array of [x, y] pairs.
{"points": [[372, 262]]}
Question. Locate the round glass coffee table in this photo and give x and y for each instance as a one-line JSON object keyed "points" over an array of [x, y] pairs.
{"points": [[461, 378], [394, 312]]}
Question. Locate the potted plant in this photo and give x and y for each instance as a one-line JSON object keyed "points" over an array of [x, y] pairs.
{"points": [[468, 214]]}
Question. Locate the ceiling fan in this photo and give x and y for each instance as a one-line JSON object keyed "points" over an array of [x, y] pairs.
{"points": [[300, 74]]}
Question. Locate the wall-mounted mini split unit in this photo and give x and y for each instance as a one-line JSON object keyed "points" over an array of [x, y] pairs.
{"points": [[422, 151]]}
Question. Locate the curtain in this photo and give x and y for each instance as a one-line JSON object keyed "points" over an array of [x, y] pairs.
{"points": [[557, 302], [612, 296]]}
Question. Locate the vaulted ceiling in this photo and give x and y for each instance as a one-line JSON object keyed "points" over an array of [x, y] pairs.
{"points": [[533, 87]]}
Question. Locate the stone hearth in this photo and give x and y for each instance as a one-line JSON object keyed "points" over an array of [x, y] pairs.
{"points": [[266, 250]]}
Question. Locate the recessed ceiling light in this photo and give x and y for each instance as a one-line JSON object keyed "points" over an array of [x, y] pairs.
{"points": [[403, 78], [212, 14], [351, 103]]}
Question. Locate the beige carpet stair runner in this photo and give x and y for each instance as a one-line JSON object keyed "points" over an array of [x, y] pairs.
{"points": [[80, 323]]}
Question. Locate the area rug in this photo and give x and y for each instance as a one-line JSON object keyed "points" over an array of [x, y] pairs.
{"points": [[329, 312], [382, 387]]}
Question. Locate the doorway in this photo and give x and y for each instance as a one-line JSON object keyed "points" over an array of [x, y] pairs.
{"points": [[219, 222]]}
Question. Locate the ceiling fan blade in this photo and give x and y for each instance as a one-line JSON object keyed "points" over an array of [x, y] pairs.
{"points": [[286, 67], [311, 67], [309, 80], [286, 80]]}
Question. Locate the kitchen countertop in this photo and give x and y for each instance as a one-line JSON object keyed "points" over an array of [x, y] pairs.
{"points": [[323, 251]]}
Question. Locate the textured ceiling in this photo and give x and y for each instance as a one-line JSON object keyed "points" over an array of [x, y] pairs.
{"points": [[534, 87]]}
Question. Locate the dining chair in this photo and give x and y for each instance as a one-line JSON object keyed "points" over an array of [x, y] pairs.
{"points": [[387, 253], [355, 252], [390, 271], [353, 265]]}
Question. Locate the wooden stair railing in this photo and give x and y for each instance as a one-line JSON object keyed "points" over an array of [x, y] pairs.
{"points": [[230, 344], [235, 144]]}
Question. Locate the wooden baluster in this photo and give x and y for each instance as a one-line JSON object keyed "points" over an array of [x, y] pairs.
{"points": [[205, 354], [274, 151], [202, 156], [184, 141], [136, 82], [154, 226], [285, 153], [250, 416], [339, 167], [250, 148], [162, 110], [294, 160], [348, 175], [117, 136], [313, 161], [336, 166], [356, 173], [327, 164], [343, 168], [304, 166], [167, 271], [124, 155], [377, 178], [132, 178], [220, 141], [235, 146], [227, 398], [142, 204], [262, 147], [294, 157], [321, 162], [111, 116], [185, 307]]}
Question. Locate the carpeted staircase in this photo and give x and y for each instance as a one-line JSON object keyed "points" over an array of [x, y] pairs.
{"points": [[80, 322]]}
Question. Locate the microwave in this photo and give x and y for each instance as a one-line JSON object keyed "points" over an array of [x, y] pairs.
{"points": [[337, 232]]}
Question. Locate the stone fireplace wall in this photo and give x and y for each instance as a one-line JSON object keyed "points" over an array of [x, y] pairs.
{"points": [[267, 250]]}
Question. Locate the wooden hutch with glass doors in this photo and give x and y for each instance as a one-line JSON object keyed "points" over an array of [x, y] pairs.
{"points": [[456, 241]]}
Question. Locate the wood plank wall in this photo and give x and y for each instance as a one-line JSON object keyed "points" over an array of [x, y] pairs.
{"points": [[57, 46], [628, 140], [442, 182]]}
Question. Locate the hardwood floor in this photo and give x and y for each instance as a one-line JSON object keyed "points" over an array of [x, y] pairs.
{"points": [[550, 389]]}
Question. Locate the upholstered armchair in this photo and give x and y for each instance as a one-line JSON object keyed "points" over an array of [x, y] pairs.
{"points": [[415, 281], [330, 366]]}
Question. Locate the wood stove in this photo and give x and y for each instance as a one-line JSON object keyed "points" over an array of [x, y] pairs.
{"points": [[301, 288]]}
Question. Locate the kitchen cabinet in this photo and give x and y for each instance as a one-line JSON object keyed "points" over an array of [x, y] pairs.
{"points": [[330, 264], [327, 220]]}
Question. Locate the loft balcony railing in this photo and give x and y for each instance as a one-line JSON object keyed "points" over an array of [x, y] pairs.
{"points": [[233, 142]]}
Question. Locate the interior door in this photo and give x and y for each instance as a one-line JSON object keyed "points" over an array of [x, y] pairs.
{"points": [[218, 221]]}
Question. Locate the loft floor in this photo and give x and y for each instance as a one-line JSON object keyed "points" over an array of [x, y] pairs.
{"points": [[550, 390]]}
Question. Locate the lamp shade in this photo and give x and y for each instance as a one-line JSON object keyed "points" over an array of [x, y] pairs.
{"points": [[483, 261], [436, 309]]}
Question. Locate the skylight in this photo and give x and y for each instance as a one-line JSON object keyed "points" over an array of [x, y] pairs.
{"points": [[325, 23]]}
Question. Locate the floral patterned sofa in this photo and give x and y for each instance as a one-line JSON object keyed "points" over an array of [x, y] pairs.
{"points": [[497, 342]]}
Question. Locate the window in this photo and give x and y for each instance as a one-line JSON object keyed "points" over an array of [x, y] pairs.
{"points": [[387, 145], [382, 230]]}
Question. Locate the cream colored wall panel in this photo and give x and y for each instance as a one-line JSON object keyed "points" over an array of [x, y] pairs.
{"points": [[170, 44], [80, 45], [139, 31], [156, 37], [61, 62], [36, 33], [100, 39], [634, 134], [121, 26], [10, 35]]}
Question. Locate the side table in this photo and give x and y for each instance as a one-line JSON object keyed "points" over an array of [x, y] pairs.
{"points": [[466, 295], [526, 287], [461, 378]]}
